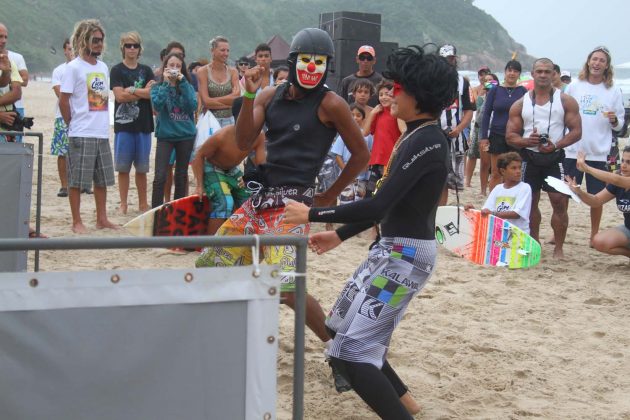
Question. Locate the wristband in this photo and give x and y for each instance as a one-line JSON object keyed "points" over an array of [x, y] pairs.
{"points": [[132, 90], [249, 95]]}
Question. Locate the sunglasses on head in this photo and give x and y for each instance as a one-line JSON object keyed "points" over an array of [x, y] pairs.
{"points": [[602, 49], [96, 40], [129, 46], [365, 57]]}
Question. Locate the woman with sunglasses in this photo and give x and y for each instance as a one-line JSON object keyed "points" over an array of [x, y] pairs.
{"points": [[495, 117], [601, 110], [218, 82], [398, 266]]}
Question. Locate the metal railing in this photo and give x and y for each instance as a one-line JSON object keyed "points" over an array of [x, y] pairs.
{"points": [[300, 243], [40, 164]]}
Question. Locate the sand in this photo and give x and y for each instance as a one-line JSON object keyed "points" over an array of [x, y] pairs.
{"points": [[478, 342]]}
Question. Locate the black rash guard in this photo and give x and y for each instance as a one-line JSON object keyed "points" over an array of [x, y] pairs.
{"points": [[406, 203], [297, 141]]}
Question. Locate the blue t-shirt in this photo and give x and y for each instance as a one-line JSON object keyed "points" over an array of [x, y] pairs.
{"points": [[623, 201], [339, 148]]}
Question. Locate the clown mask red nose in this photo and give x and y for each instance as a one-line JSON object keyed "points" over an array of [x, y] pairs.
{"points": [[310, 69]]}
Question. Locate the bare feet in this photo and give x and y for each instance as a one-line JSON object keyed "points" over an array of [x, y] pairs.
{"points": [[123, 208], [551, 241], [144, 208], [410, 404], [79, 228], [558, 254], [106, 224]]}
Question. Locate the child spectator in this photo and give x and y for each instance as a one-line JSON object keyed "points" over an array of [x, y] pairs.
{"points": [[356, 190], [362, 91], [512, 200], [386, 130]]}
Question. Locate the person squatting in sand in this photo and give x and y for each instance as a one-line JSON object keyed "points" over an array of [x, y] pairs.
{"points": [[296, 149], [616, 240], [399, 265], [217, 172]]}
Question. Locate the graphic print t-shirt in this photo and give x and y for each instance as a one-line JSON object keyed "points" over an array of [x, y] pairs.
{"points": [[517, 199], [89, 88], [135, 116]]}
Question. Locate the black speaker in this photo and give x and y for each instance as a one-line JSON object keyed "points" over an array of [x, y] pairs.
{"points": [[356, 26]]}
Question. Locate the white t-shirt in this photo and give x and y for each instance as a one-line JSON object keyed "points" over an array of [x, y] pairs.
{"points": [[517, 199], [57, 74], [18, 59], [596, 129], [89, 86]]}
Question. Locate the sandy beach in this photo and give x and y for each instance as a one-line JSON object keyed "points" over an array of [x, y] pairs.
{"points": [[478, 342]]}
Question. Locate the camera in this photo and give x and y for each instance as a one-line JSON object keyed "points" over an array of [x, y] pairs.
{"points": [[544, 139], [19, 123], [173, 72]]}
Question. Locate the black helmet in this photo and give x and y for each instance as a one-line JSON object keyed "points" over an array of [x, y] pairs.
{"points": [[312, 41]]}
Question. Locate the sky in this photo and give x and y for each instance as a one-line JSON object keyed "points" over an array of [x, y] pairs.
{"points": [[565, 31]]}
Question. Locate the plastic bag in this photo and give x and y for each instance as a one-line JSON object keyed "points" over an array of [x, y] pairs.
{"points": [[207, 125]]}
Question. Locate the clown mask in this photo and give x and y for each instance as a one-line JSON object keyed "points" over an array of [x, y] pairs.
{"points": [[310, 69]]}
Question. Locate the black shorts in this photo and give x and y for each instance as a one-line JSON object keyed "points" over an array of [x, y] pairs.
{"points": [[535, 175], [498, 144], [593, 185]]}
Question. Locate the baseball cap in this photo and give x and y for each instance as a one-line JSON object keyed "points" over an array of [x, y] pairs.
{"points": [[366, 49], [483, 68], [448, 50], [565, 73]]}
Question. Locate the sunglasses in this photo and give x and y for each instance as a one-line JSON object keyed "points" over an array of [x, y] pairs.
{"points": [[96, 40], [366, 57], [130, 46], [243, 64], [601, 48]]}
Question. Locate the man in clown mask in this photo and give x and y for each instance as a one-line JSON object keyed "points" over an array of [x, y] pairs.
{"points": [[303, 118]]}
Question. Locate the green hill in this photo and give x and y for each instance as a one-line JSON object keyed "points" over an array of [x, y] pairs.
{"points": [[37, 25]]}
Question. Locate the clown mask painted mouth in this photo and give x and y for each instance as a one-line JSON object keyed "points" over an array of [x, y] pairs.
{"points": [[310, 69]]}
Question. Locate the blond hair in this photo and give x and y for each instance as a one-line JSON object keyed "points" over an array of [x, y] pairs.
{"points": [[131, 36], [609, 73], [82, 36], [214, 42]]}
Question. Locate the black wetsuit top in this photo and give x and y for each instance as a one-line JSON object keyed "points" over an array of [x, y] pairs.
{"points": [[297, 141], [406, 203]]}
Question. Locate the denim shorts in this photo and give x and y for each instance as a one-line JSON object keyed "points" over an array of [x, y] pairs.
{"points": [[132, 148]]}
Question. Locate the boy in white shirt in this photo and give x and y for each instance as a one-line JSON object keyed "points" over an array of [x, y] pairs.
{"points": [[512, 200]]}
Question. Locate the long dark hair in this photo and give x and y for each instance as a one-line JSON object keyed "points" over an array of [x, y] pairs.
{"points": [[184, 70]]}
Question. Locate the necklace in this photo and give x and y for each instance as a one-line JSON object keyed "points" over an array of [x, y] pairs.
{"points": [[399, 143], [510, 90]]}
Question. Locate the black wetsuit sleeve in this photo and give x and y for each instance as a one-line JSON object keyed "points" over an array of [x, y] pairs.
{"points": [[412, 163], [347, 231]]}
